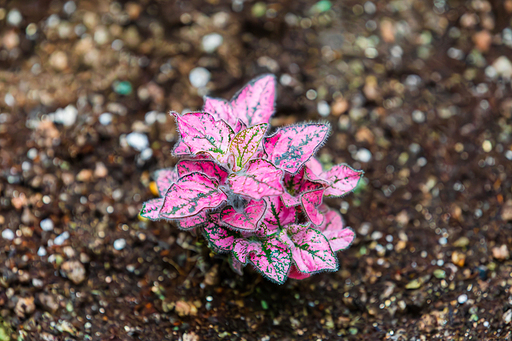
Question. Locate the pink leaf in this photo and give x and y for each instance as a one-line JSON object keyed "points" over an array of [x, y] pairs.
{"points": [[208, 167], [310, 201], [236, 265], [291, 146], [296, 274], [189, 195], [248, 219], [240, 125], [259, 180], [180, 148], [242, 248], [272, 259], [245, 144], [296, 185], [194, 221], [203, 134], [151, 208], [343, 180], [255, 103], [164, 178], [278, 215], [311, 251], [315, 166], [221, 109], [339, 237], [221, 239]]}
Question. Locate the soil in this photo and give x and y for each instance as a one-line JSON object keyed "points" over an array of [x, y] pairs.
{"points": [[417, 92]]}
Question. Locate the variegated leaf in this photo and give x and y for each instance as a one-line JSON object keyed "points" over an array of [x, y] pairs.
{"points": [[248, 219], [290, 147], [164, 178], [310, 202], [189, 195], [151, 209], [278, 215], [208, 167], [220, 238], [240, 125], [203, 134], [311, 251], [296, 274], [245, 144], [343, 179], [259, 180], [221, 109], [194, 221], [296, 184], [272, 259], [255, 103], [236, 265], [180, 149], [333, 229]]}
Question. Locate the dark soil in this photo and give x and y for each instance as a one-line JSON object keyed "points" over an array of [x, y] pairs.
{"points": [[420, 99]]}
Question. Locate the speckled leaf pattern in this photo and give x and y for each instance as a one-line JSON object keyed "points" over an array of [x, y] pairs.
{"points": [[259, 180], [221, 109], [311, 251], [246, 220], [164, 178], [189, 195], [343, 179], [208, 167], [151, 209], [296, 274], [310, 202], [254, 104], [315, 166], [203, 134], [221, 239], [339, 237], [180, 148], [272, 259], [297, 184], [236, 265], [195, 221], [240, 125], [292, 146], [245, 144], [278, 215]]}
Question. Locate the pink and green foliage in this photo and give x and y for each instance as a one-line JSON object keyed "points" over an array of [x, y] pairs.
{"points": [[255, 196]]}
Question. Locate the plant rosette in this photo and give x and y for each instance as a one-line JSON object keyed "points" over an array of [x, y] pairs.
{"points": [[256, 196]]}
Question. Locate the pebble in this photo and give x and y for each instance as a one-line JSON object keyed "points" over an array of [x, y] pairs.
{"points": [[66, 116], [74, 270], [69, 7], [146, 154], [46, 224], [14, 17], [60, 239], [211, 42], [25, 306], [41, 252], [123, 88], [105, 118], [323, 108], [100, 171], [7, 234], [199, 77], [119, 244], [418, 116], [462, 299], [138, 141], [507, 317], [363, 155], [500, 252], [503, 67], [59, 60]]}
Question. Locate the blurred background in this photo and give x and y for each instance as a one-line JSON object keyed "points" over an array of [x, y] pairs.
{"points": [[418, 94]]}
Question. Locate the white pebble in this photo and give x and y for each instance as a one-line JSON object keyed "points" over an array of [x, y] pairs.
{"points": [[146, 154], [151, 117], [66, 116], [199, 77], [138, 141], [323, 108], [418, 116], [211, 42], [119, 244], [105, 118], [41, 252], [14, 17], [9, 99], [69, 7], [363, 155], [503, 67], [60, 239], [462, 299], [46, 224], [7, 234]]}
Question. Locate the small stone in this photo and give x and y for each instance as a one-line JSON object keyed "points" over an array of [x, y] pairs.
{"points": [[66, 116], [439, 273], [339, 107], [211, 42], [25, 306], [100, 171], [458, 258], [462, 299], [48, 302], [85, 175], [506, 211], [146, 154], [123, 88], [41, 252], [507, 317], [59, 60], [46, 224], [101, 36], [414, 284], [482, 40], [14, 17], [10, 40], [199, 77], [105, 118], [461, 242], [418, 116], [501, 252], [363, 155], [60, 239], [323, 108], [69, 7], [7, 234], [503, 67], [119, 244], [183, 308], [138, 141], [74, 270]]}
